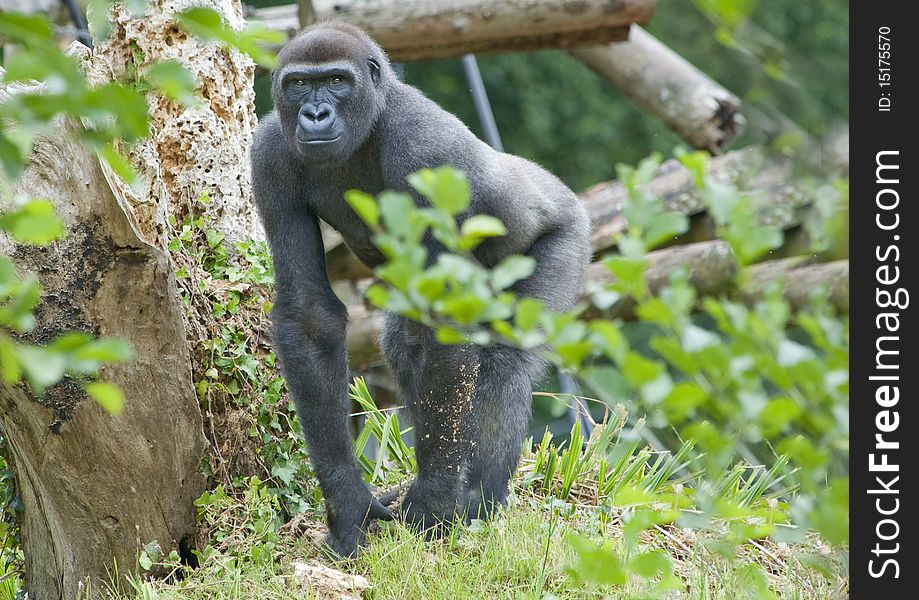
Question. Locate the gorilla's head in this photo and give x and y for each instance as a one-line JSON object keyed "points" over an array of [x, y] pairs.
{"points": [[329, 89]]}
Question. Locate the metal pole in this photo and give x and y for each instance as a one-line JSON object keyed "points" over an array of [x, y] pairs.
{"points": [[482, 106], [76, 15]]}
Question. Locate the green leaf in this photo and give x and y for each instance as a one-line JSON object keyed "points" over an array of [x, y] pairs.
{"points": [[466, 308], [107, 395], [253, 40], [69, 342], [601, 295], [202, 22], [42, 367], [126, 104], [207, 24], [720, 200], [696, 339], [511, 270], [639, 370], [378, 295], [629, 274], [753, 243], [654, 563], [483, 226], [790, 353], [33, 29], [609, 338], [284, 472], [656, 310], [97, 17], [664, 227], [33, 223], [174, 81], [831, 513], [43, 64], [449, 336], [695, 162], [107, 350], [395, 208], [118, 163], [597, 564], [682, 400], [446, 188], [527, 313], [778, 414], [10, 368], [573, 354], [365, 206], [12, 155]]}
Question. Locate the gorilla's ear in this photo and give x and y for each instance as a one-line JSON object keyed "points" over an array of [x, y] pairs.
{"points": [[374, 69]]}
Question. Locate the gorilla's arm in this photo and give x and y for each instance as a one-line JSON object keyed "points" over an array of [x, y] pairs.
{"points": [[308, 323]]}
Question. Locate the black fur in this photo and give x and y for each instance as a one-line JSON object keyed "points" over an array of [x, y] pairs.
{"points": [[469, 405]]}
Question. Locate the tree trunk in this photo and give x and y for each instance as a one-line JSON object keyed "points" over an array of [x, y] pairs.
{"points": [[420, 29], [663, 83], [96, 487]]}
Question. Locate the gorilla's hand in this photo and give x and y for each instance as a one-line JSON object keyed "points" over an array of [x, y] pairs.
{"points": [[348, 521]]}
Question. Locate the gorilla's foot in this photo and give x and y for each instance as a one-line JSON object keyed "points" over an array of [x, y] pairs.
{"points": [[428, 508], [483, 505]]}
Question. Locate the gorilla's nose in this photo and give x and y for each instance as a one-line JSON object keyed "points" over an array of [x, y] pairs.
{"points": [[315, 115]]}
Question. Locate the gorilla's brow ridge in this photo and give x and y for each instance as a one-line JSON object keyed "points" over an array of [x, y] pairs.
{"points": [[319, 47]]}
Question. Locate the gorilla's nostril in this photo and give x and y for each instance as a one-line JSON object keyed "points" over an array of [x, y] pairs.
{"points": [[317, 115]]}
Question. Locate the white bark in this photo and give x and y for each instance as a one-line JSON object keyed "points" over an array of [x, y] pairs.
{"points": [[190, 151]]}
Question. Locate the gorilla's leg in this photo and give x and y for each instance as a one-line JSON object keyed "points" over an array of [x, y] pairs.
{"points": [[438, 384], [507, 375], [503, 396]]}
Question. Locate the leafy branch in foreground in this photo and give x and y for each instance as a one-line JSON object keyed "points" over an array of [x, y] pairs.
{"points": [[759, 380]]}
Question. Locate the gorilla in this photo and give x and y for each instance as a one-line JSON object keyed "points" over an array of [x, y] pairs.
{"points": [[342, 120]]}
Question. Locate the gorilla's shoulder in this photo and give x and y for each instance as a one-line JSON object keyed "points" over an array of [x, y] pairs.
{"points": [[407, 106], [267, 140], [269, 125], [416, 132]]}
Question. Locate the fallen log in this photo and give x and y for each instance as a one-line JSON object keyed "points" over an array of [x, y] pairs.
{"points": [[420, 29], [712, 271], [663, 83]]}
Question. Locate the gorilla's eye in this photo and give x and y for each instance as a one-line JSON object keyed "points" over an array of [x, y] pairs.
{"points": [[337, 79], [300, 82]]}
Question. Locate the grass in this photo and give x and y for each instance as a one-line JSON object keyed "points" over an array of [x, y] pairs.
{"points": [[526, 553], [523, 554], [565, 535]]}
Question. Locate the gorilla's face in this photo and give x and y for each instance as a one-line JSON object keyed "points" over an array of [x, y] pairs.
{"points": [[326, 100], [317, 94]]}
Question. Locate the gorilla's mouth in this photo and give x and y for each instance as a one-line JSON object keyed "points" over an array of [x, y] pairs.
{"points": [[320, 141], [319, 136]]}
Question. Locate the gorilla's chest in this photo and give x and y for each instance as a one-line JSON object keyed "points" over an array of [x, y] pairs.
{"points": [[329, 205]]}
